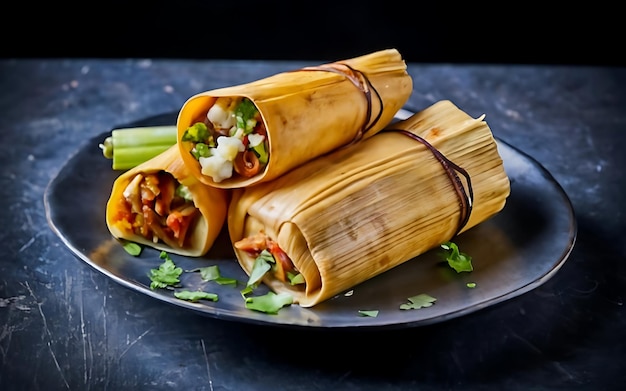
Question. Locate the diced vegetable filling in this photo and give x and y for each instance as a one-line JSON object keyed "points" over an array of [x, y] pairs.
{"points": [[230, 138], [157, 207], [269, 258]]}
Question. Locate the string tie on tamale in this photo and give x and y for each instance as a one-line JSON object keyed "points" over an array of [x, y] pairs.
{"points": [[361, 82], [466, 197]]}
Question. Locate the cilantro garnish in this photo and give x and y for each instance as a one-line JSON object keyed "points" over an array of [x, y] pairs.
{"points": [[226, 281], [246, 291], [132, 248], [262, 264], [420, 301], [212, 273], [209, 273], [457, 260], [269, 303], [166, 275], [195, 296], [369, 313]]}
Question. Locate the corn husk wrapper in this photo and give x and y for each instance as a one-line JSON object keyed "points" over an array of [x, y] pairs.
{"points": [[350, 215], [310, 112], [212, 203]]}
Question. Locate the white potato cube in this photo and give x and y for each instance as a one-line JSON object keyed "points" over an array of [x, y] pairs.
{"points": [[216, 167], [228, 147], [222, 113]]}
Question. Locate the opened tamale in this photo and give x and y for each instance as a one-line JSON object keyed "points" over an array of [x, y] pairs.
{"points": [[251, 133], [160, 204], [359, 211]]}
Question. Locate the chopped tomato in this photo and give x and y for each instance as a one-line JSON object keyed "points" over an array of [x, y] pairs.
{"points": [[283, 262], [280, 256], [175, 222], [253, 244]]}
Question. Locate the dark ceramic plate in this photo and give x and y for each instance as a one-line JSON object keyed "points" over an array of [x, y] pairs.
{"points": [[515, 251]]}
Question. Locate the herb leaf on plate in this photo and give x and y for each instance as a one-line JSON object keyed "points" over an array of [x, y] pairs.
{"points": [[420, 301], [457, 260], [167, 273]]}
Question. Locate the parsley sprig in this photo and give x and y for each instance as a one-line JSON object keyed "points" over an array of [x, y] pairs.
{"points": [[457, 260], [167, 275]]}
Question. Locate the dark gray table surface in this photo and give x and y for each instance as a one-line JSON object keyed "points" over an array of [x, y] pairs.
{"points": [[65, 326]]}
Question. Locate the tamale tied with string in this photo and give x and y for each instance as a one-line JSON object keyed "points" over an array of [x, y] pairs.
{"points": [[359, 211], [251, 133]]}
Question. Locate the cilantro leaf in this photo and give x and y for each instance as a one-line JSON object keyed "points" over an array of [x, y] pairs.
{"points": [[212, 273], [262, 264], [195, 296], [166, 275], [420, 301], [457, 260], [269, 303], [209, 273], [369, 313], [246, 291], [226, 281], [132, 248]]}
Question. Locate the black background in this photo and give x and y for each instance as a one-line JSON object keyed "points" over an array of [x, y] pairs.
{"points": [[428, 32]]}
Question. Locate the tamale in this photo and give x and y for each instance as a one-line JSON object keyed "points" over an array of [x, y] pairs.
{"points": [[294, 116], [160, 204], [359, 211]]}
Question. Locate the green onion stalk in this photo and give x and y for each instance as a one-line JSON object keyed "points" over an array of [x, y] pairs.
{"points": [[129, 147]]}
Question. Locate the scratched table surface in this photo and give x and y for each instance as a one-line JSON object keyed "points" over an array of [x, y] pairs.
{"points": [[64, 325]]}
